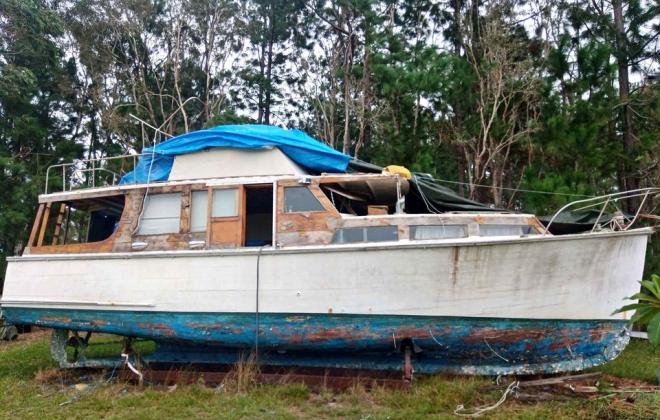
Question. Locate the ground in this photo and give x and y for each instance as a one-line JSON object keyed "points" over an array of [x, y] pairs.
{"points": [[31, 386]]}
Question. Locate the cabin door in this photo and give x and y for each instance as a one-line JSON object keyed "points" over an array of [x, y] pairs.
{"points": [[227, 216]]}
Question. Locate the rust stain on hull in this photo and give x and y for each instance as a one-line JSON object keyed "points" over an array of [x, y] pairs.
{"points": [[161, 328], [454, 266], [506, 336], [56, 319]]}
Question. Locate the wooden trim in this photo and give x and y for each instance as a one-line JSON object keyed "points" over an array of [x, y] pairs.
{"points": [[58, 224], [242, 195], [44, 224], [37, 223], [209, 209], [325, 201], [225, 218], [105, 245], [186, 204]]}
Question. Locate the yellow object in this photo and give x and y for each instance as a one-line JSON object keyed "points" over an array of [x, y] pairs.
{"points": [[400, 170]]}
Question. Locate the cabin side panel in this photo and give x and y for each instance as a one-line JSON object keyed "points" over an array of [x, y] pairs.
{"points": [[306, 227]]}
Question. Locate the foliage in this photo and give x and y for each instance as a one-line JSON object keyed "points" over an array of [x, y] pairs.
{"points": [[648, 308], [499, 95]]}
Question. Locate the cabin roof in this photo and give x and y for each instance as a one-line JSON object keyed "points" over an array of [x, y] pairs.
{"points": [[156, 162], [240, 180]]}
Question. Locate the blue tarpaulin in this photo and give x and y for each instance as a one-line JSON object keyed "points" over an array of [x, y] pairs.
{"points": [[298, 146]]}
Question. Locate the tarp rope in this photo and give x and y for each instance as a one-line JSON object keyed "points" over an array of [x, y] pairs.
{"points": [[430, 207], [511, 189], [146, 192]]}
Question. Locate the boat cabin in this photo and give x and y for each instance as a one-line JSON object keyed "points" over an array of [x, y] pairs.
{"points": [[214, 199]]}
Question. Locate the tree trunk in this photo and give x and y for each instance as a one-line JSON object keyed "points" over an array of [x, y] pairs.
{"points": [[260, 84], [629, 179], [460, 167], [474, 17], [269, 67], [458, 111], [365, 104], [348, 63]]}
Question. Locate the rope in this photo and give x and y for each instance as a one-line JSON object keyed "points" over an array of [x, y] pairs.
{"points": [[429, 206], [496, 353], [478, 411], [511, 189], [146, 192], [435, 339], [133, 369]]}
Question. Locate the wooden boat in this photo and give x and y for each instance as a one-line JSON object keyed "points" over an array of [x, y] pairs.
{"points": [[326, 270]]}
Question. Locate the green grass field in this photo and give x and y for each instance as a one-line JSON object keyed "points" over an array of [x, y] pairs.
{"points": [[32, 387]]}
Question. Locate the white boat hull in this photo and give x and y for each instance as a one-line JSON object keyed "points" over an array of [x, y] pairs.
{"points": [[568, 277], [517, 305]]}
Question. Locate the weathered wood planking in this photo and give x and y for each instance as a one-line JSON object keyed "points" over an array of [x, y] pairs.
{"points": [[291, 229]]}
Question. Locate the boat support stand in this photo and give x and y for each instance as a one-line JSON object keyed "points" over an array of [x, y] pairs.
{"points": [[77, 357]]}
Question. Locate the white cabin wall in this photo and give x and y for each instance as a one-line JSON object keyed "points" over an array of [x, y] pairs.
{"points": [[229, 162]]}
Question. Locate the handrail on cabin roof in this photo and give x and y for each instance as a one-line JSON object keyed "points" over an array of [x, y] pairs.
{"points": [[93, 169]]}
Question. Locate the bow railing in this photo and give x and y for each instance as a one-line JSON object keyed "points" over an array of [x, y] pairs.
{"points": [[606, 200]]}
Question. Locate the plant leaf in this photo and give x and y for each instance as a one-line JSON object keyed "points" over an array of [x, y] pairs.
{"points": [[652, 287], [646, 297], [643, 316], [654, 330], [630, 307]]}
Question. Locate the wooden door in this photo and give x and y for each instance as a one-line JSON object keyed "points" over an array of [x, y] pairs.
{"points": [[226, 216]]}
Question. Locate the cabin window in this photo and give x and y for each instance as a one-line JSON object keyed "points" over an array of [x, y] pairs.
{"points": [[162, 214], [422, 232], [78, 221], [348, 235], [365, 234], [300, 199], [198, 211], [506, 230], [225, 203]]}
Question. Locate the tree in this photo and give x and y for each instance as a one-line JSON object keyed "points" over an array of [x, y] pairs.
{"points": [[505, 103], [273, 37], [39, 122]]}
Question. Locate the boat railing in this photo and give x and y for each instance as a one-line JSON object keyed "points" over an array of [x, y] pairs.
{"points": [[90, 173], [95, 167], [606, 200]]}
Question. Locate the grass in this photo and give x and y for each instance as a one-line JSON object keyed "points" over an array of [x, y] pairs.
{"points": [[31, 386], [638, 361]]}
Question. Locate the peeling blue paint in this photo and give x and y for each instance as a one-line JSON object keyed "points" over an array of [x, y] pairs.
{"points": [[445, 344]]}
